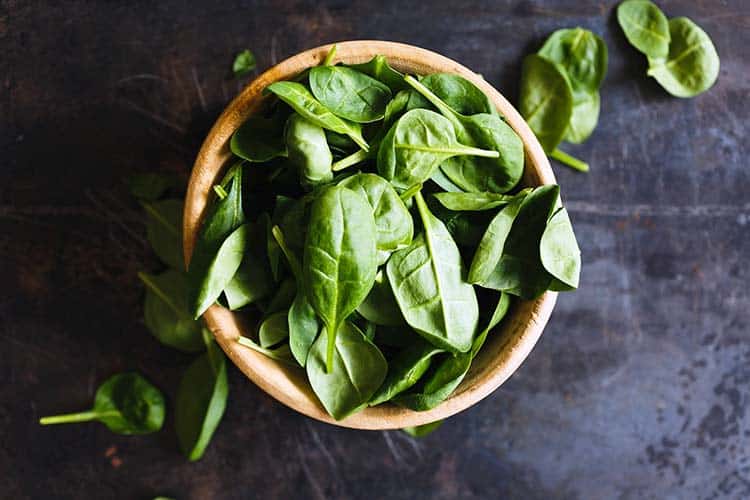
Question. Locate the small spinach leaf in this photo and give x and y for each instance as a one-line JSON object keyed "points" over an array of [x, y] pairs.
{"points": [[308, 150], [259, 139], [421, 431], [559, 251], [405, 370], [244, 63], [474, 202], [378, 68], [164, 231], [253, 280], [349, 94], [458, 93], [273, 329], [645, 26], [380, 307]]}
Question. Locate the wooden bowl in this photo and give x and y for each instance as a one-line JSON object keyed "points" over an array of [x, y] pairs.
{"points": [[506, 347]]}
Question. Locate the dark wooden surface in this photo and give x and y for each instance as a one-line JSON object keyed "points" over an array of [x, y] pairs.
{"points": [[638, 388]]}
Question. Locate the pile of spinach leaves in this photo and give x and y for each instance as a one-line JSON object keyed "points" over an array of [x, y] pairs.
{"points": [[375, 224]]}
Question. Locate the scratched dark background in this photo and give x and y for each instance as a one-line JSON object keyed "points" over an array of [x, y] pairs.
{"points": [[638, 388]]}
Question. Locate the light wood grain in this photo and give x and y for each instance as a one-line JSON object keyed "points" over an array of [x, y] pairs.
{"points": [[506, 347]]}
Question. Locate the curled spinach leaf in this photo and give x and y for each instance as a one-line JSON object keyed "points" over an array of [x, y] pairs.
{"points": [[405, 370], [559, 249], [308, 150], [274, 329], [345, 381], [349, 94], [340, 257]]}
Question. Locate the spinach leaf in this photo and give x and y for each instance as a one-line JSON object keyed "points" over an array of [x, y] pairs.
{"points": [[393, 221], [421, 431], [340, 257], [166, 311], [645, 26], [692, 65], [308, 150], [253, 280], [164, 230], [380, 307], [475, 202], [200, 402], [282, 353], [405, 370], [439, 178], [378, 68], [283, 297], [274, 329], [346, 380], [260, 139], [520, 270], [302, 101], [427, 281], [584, 118], [218, 250], [349, 94], [150, 186], [490, 248], [580, 54], [559, 251], [416, 144], [126, 403], [244, 63], [466, 228], [460, 94], [487, 131]]}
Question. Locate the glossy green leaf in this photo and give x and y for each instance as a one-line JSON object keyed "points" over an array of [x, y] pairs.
{"points": [[340, 256], [126, 403], [427, 281], [645, 26], [166, 312], [378, 68], [200, 402], [559, 250], [692, 64], [405, 370], [473, 202], [380, 305], [580, 54], [274, 329], [584, 118], [164, 231], [356, 371], [308, 150], [259, 139], [459, 93], [282, 353], [244, 63], [421, 431], [349, 94], [253, 280], [150, 186], [302, 101]]}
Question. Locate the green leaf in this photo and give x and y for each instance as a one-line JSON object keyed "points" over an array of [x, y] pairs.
{"points": [[378, 68], [166, 311], [559, 250], [380, 307], [200, 402], [584, 118], [340, 256], [126, 403], [427, 281], [302, 101], [308, 150], [474, 202], [259, 139], [421, 431], [274, 329], [645, 26], [580, 54], [405, 370], [349, 94], [244, 63], [692, 65], [150, 186], [164, 230], [460, 94], [356, 371], [282, 353], [253, 279]]}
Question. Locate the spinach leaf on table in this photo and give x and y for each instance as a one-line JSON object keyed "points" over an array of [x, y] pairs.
{"points": [[164, 230], [126, 403], [244, 63], [308, 149], [349, 94], [302, 101], [200, 402], [340, 257], [421, 431], [427, 281], [345, 380], [166, 312], [645, 26]]}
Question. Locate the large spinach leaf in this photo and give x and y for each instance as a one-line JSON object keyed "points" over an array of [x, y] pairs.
{"points": [[349, 94]]}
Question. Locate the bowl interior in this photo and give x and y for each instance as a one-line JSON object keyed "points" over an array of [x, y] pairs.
{"points": [[506, 347]]}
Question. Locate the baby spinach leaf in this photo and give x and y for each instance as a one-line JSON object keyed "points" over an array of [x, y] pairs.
{"points": [[466, 228], [421, 431], [150, 186], [416, 144], [405, 370], [274, 329], [520, 270], [546, 101], [491, 246], [645, 26], [164, 230], [126, 403], [475, 202], [349, 94], [583, 120], [439, 178], [200, 402], [253, 280], [380, 305], [345, 381], [218, 248], [393, 221], [460, 94], [244, 63], [340, 257], [260, 139], [580, 54], [559, 251], [487, 131], [498, 313], [308, 150], [427, 281], [302, 101], [378, 68], [166, 311], [692, 65], [283, 354]]}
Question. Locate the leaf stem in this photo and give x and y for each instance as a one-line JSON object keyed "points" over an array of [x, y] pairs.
{"points": [[350, 160], [330, 55], [83, 416], [569, 160], [330, 348]]}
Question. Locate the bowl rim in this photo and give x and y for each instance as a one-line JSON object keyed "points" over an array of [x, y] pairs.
{"points": [[514, 342]]}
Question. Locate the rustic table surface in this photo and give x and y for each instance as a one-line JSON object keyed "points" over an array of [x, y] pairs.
{"points": [[637, 389]]}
